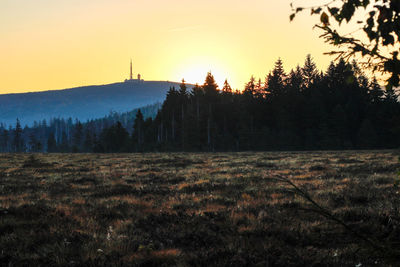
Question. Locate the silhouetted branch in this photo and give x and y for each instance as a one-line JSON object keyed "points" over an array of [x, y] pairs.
{"points": [[327, 214]]}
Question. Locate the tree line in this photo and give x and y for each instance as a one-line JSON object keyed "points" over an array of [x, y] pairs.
{"points": [[305, 109], [65, 135]]}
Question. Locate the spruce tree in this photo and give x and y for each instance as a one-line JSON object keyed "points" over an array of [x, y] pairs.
{"points": [[138, 131], [210, 87], [375, 93], [250, 87], [227, 89], [4, 141], [18, 142], [184, 101], [64, 147], [77, 137], [309, 72], [34, 144], [51, 143], [276, 80], [88, 142]]}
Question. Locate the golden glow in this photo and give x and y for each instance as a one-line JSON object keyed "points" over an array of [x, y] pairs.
{"points": [[195, 69], [48, 44]]}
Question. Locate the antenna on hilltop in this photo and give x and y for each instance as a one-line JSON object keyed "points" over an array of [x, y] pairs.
{"points": [[131, 76]]}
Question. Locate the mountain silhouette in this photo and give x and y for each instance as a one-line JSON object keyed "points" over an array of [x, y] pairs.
{"points": [[83, 103]]}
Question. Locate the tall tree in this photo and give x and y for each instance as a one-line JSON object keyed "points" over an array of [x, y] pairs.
{"points": [[34, 144], [210, 87], [184, 98], [18, 142], [4, 140], [64, 146], [88, 143], [309, 72], [51, 143], [138, 131], [227, 89], [211, 94], [376, 93], [77, 137], [250, 87], [276, 80]]}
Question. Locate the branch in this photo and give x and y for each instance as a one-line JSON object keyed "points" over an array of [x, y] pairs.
{"points": [[327, 214]]}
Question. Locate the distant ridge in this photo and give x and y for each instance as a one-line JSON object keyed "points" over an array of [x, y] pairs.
{"points": [[83, 103]]}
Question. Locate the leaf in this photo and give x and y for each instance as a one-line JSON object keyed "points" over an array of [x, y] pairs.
{"points": [[389, 39], [347, 11], [316, 11], [365, 3], [333, 10], [336, 40], [299, 9], [324, 18]]}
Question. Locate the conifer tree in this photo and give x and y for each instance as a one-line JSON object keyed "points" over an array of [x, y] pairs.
{"points": [[276, 80], [51, 143], [309, 72], [295, 81], [138, 131], [77, 137], [4, 140], [183, 95], [227, 89], [34, 144], [64, 147], [18, 142], [375, 93], [250, 87], [210, 87], [121, 138], [88, 142], [259, 89], [211, 94]]}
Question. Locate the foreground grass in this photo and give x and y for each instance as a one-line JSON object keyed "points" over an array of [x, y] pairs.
{"points": [[197, 209]]}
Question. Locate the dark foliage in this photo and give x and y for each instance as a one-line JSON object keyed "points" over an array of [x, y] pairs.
{"points": [[301, 110], [380, 25]]}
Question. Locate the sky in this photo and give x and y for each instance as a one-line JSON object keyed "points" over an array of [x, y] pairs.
{"points": [[48, 44]]}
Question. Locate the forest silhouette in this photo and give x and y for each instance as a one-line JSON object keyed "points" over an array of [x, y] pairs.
{"points": [[305, 109]]}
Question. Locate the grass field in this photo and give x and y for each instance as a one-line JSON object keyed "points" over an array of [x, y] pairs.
{"points": [[200, 209]]}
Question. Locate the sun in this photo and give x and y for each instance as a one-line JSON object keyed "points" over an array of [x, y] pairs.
{"points": [[195, 72]]}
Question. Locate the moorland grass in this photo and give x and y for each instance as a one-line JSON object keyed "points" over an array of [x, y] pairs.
{"points": [[199, 209]]}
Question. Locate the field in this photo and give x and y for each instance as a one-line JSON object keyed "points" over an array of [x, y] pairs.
{"points": [[196, 209]]}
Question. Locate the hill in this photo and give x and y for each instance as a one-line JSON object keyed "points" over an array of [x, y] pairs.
{"points": [[83, 103]]}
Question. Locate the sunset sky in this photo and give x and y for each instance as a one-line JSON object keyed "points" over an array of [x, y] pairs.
{"points": [[47, 44]]}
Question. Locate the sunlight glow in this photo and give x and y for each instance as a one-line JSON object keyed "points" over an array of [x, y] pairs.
{"points": [[194, 71], [61, 44]]}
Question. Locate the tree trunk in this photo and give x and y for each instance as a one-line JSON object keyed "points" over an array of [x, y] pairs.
{"points": [[173, 126], [183, 128], [209, 127]]}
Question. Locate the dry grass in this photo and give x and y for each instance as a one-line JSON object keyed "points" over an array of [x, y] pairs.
{"points": [[197, 209]]}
